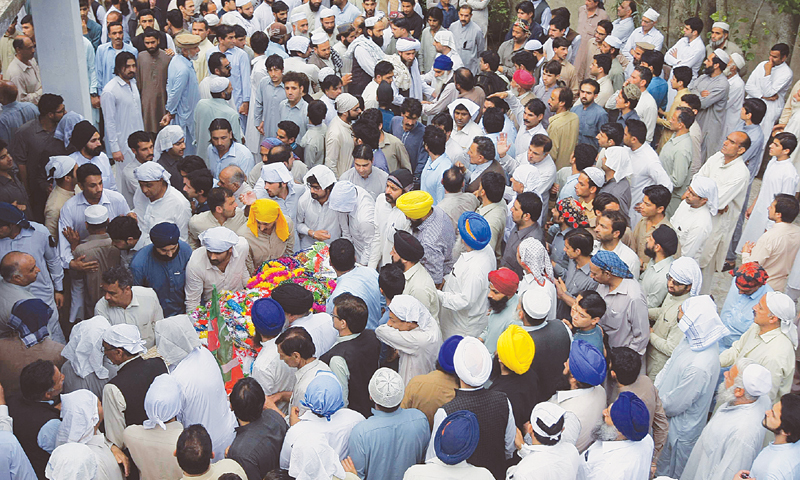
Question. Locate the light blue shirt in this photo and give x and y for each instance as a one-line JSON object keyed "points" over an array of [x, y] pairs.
{"points": [[752, 157], [238, 155], [499, 322], [386, 444], [104, 62], [14, 464], [777, 462], [431, 178], [276, 49], [266, 99], [568, 190], [14, 114], [240, 73], [102, 162], [183, 94], [590, 119], [35, 241], [297, 114], [737, 313], [363, 283], [347, 15]]}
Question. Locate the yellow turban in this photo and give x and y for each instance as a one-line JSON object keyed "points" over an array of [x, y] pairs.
{"points": [[416, 204], [515, 349], [268, 211]]}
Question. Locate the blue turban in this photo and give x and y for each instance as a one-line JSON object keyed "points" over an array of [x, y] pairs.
{"points": [[268, 316], [443, 62], [586, 363], [446, 352], [11, 215], [324, 395], [165, 234], [630, 416], [474, 230], [457, 437], [610, 261]]}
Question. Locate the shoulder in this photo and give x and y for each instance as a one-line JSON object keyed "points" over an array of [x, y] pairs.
{"points": [[144, 292]]}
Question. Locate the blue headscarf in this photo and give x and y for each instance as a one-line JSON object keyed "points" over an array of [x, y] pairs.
{"points": [[324, 395], [268, 316], [611, 262], [630, 416], [446, 352], [586, 363], [474, 230], [457, 437]]}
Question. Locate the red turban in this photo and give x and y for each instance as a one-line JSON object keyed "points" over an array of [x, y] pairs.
{"points": [[505, 281]]}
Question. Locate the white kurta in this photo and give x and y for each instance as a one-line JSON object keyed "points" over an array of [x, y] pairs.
{"points": [[358, 226], [620, 460], [313, 216], [203, 398], [693, 226], [777, 462], [336, 431], [687, 54], [735, 101], [780, 177], [463, 298], [122, 114], [272, 373], [647, 170], [543, 462], [173, 207], [388, 220], [418, 348], [201, 276], [777, 83]]}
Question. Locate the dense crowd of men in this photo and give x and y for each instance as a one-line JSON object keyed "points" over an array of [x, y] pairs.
{"points": [[525, 240]]}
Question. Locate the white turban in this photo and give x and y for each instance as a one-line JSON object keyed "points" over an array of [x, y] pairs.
{"points": [[722, 25], [71, 461], [314, 459], [757, 380], [704, 187], [651, 14], [407, 44], [326, 12], [596, 175], [686, 271], [176, 338], [79, 415], [446, 38], [547, 414], [276, 173], [219, 239], [738, 60], [472, 361], [619, 160], [324, 175], [371, 21], [722, 55], [782, 306], [162, 402], [345, 102], [386, 387], [344, 197], [85, 348], [471, 106], [700, 323], [409, 309], [126, 337], [318, 38], [166, 138], [151, 172], [297, 15], [62, 166], [298, 43], [218, 84], [527, 175]]}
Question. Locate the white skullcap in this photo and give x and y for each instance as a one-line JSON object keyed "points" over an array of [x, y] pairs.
{"points": [[536, 303], [596, 175], [547, 414], [409, 309], [704, 187], [71, 461], [533, 45], [242, 3], [782, 306], [345, 102], [324, 175], [446, 38], [738, 60], [386, 387], [211, 19], [219, 239], [722, 55], [722, 25], [218, 84], [407, 44], [325, 72], [151, 172], [326, 12], [276, 173], [651, 14], [96, 214], [686, 271], [371, 21], [700, 323], [757, 380], [379, 14], [162, 402], [79, 415], [126, 337], [62, 164], [228, 19], [318, 38], [472, 361], [297, 15], [343, 198], [613, 42], [298, 43]]}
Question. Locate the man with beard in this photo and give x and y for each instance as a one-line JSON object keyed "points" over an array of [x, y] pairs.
{"points": [[780, 456], [660, 247], [388, 218], [406, 254], [339, 137], [344, 11], [269, 233], [366, 52], [151, 78], [162, 267], [345, 34], [591, 116], [182, 90], [210, 109], [218, 66], [412, 87], [622, 448], [311, 11], [316, 222], [220, 262], [243, 16], [328, 21], [146, 21], [122, 108], [89, 149], [720, 39], [503, 300], [156, 202], [525, 211], [141, 144], [240, 67], [712, 88], [276, 182], [733, 437]]}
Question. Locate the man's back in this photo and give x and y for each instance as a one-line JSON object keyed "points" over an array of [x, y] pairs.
{"points": [[429, 392], [552, 345], [388, 443], [257, 446]]}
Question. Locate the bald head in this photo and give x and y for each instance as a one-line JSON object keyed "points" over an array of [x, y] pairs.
{"points": [[8, 92], [18, 268], [231, 178], [735, 145]]}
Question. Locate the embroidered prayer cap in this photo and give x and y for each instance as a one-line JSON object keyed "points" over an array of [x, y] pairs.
{"points": [[324, 175], [613, 42], [446, 353], [724, 26], [474, 230], [29, 319], [706, 188], [212, 19], [79, 415], [176, 338], [631, 92], [547, 420], [345, 102], [457, 437], [596, 175], [326, 71], [126, 337], [324, 395], [504, 280], [371, 21], [630, 416], [572, 212], [326, 12], [59, 166], [586, 363], [515, 349], [415, 204], [651, 14], [162, 402], [750, 275], [218, 239], [297, 15], [738, 60], [783, 307], [298, 43], [722, 55], [386, 387], [343, 198], [611, 262], [472, 361], [318, 38], [85, 347], [151, 172], [700, 323], [265, 210], [533, 45], [408, 247], [686, 271], [165, 234]]}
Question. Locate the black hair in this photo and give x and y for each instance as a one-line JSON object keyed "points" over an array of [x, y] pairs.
{"points": [[317, 110], [637, 129], [289, 128], [491, 58], [585, 156], [119, 275], [692, 100], [215, 61], [790, 417], [239, 31], [411, 106], [542, 140], [279, 6], [485, 147], [300, 78], [626, 364], [352, 310], [592, 301], [788, 206], [683, 74], [279, 154], [580, 239], [367, 132], [194, 449], [603, 62], [443, 120], [536, 107], [36, 379], [274, 61], [757, 108], [602, 200], [694, 23], [526, 59], [217, 197], [85, 170], [659, 195], [499, 103], [383, 68], [343, 255], [561, 23], [619, 222], [593, 83], [150, 32], [330, 81], [782, 48], [530, 203], [494, 184], [525, 7], [787, 140], [464, 79], [190, 163], [121, 61], [655, 59], [296, 339], [49, 103], [391, 281], [453, 180], [685, 116], [259, 42], [363, 152], [614, 131], [493, 120], [247, 399], [123, 227], [221, 124], [201, 180], [135, 138], [552, 67], [436, 14], [175, 18], [435, 139], [608, 27], [644, 74]]}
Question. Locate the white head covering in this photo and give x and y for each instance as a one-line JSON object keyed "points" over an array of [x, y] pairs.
{"points": [[314, 459], [700, 323], [782, 306], [613, 42], [535, 257], [126, 337], [276, 173], [151, 172], [446, 38], [619, 160], [62, 164], [71, 461], [722, 25], [704, 187], [651, 14], [536, 303], [95, 214], [371, 21], [757, 380], [218, 239], [66, 125], [549, 414], [533, 45], [722, 55], [166, 138], [218, 84], [212, 19], [242, 3], [298, 43], [386, 387], [85, 348], [472, 361], [471, 106], [344, 197], [297, 15], [409, 309], [407, 44], [325, 72], [527, 175], [176, 338], [162, 402], [345, 102], [323, 174], [79, 415], [318, 38], [686, 271], [326, 12], [596, 175], [738, 59]]}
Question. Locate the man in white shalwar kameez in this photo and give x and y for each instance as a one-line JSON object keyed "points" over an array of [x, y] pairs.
{"points": [[355, 210], [693, 221], [547, 457], [770, 81], [272, 373], [780, 459], [194, 367], [316, 222], [688, 51], [389, 218], [731, 175], [687, 382], [735, 93], [734, 435], [156, 201]]}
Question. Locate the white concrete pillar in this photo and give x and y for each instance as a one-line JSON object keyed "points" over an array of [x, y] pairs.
{"points": [[61, 53]]}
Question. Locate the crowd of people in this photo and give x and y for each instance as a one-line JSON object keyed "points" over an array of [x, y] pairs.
{"points": [[525, 240]]}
